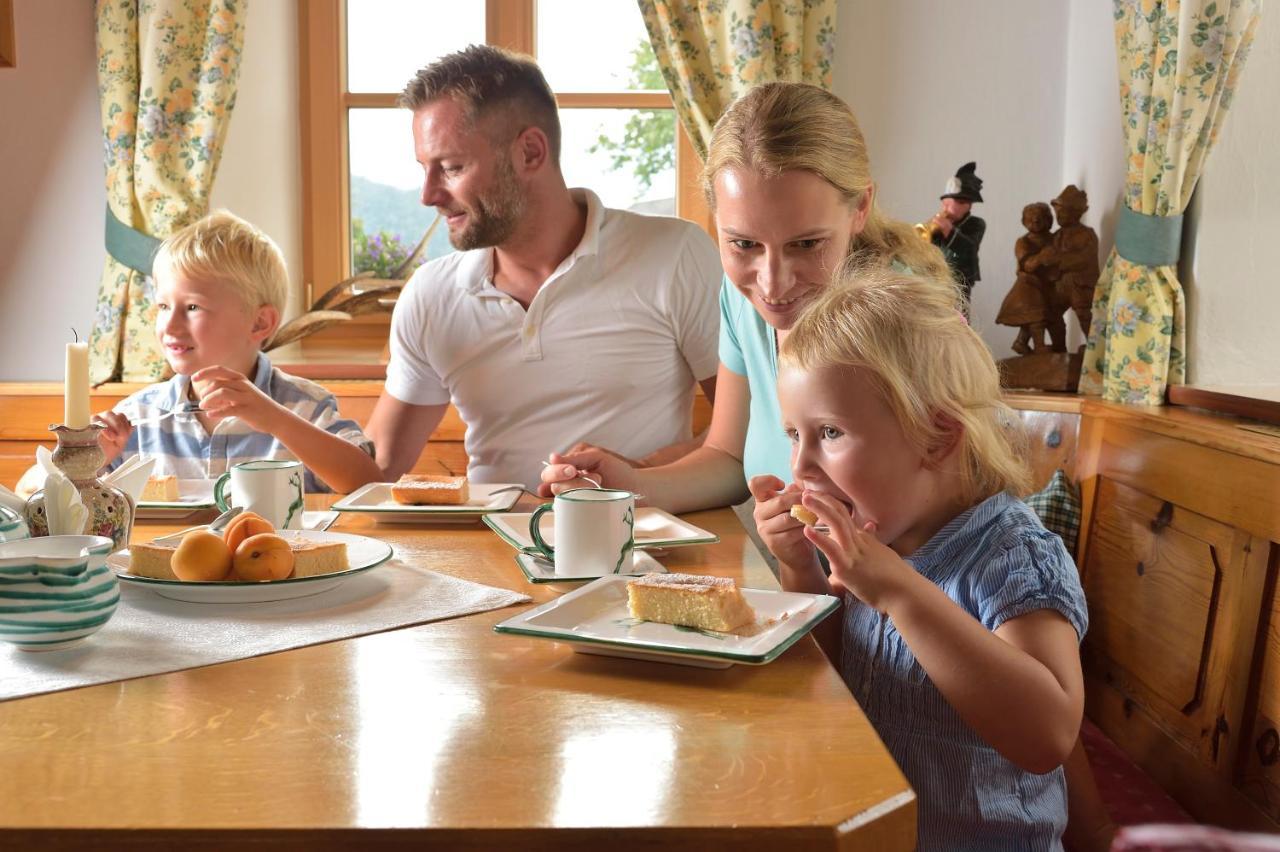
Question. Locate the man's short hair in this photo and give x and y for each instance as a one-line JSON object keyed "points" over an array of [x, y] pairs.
{"points": [[489, 82], [223, 247]]}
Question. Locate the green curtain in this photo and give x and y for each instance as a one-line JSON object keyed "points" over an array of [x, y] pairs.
{"points": [[1180, 64], [710, 53], [167, 72]]}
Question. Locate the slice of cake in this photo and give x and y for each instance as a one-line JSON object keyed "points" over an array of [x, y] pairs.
{"points": [[803, 515], [310, 558], [161, 489], [430, 489], [707, 603]]}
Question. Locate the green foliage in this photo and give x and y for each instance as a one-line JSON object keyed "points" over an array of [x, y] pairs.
{"points": [[646, 145], [380, 253]]}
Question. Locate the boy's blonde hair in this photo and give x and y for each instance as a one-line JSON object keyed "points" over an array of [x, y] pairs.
{"points": [[781, 126], [926, 362], [225, 248]]}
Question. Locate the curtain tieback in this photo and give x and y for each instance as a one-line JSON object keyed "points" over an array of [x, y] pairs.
{"points": [[130, 246], [1148, 240]]}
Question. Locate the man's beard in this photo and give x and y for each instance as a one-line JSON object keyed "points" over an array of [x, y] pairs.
{"points": [[494, 218]]}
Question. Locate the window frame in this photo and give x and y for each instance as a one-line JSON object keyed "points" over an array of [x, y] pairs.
{"points": [[324, 102]]}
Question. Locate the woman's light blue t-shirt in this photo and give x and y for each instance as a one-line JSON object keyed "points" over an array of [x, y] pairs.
{"points": [[749, 347]]}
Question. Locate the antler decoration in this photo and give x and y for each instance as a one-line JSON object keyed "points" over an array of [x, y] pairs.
{"points": [[343, 300]]}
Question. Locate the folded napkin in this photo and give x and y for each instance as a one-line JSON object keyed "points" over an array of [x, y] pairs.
{"points": [[63, 507], [131, 477], [12, 501]]}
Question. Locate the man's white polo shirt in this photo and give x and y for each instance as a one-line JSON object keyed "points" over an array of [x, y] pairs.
{"points": [[608, 351]]}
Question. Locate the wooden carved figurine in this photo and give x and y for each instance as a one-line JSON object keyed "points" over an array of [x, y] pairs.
{"points": [[1031, 304], [1075, 248]]}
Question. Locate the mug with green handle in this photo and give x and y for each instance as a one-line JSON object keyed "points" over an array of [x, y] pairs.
{"points": [[270, 487], [594, 532]]}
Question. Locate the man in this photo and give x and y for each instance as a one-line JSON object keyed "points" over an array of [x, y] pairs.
{"points": [[558, 321], [957, 232]]}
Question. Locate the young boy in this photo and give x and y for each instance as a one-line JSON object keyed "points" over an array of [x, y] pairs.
{"points": [[221, 286]]}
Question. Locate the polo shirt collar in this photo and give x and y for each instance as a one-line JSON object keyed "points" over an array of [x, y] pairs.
{"points": [[476, 268]]}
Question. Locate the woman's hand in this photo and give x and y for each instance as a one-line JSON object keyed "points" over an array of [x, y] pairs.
{"points": [[781, 533], [567, 471], [859, 561]]}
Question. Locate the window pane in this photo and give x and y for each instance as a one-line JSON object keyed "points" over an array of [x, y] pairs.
{"points": [[627, 156], [597, 47], [387, 218], [389, 40]]}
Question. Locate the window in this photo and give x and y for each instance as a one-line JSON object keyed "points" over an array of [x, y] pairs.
{"points": [[361, 183]]}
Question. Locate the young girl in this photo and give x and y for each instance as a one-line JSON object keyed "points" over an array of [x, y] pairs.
{"points": [[962, 614]]}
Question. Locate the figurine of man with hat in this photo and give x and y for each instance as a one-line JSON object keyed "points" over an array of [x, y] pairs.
{"points": [[956, 231]]}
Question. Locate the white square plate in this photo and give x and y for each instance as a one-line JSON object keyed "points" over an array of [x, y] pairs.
{"points": [[654, 528], [539, 570], [375, 499], [595, 620], [193, 496], [363, 553]]}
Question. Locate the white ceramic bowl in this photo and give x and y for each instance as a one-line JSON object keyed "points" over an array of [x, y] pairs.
{"points": [[12, 526], [55, 590]]}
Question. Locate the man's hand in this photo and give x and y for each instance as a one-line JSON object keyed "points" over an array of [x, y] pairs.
{"points": [[113, 438], [226, 393], [943, 224]]}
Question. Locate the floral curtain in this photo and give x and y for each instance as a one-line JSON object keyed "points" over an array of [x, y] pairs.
{"points": [[710, 53], [1180, 63], [167, 72]]}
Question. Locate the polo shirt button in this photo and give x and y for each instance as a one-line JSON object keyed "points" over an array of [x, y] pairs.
{"points": [[529, 331]]}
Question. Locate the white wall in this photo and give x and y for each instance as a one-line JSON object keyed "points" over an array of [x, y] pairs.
{"points": [[52, 195], [1233, 278], [935, 85]]}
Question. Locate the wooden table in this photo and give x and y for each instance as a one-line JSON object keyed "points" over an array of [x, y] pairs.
{"points": [[452, 736]]}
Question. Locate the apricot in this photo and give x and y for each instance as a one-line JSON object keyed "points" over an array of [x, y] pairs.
{"points": [[261, 557], [244, 525], [201, 555]]}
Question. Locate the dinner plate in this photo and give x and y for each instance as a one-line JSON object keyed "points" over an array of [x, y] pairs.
{"points": [[193, 496], [375, 499], [595, 620], [539, 570], [654, 529], [363, 553]]}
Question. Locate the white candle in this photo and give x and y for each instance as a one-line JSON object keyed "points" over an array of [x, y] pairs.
{"points": [[75, 413]]}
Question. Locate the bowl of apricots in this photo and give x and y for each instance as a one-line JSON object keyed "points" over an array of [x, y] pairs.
{"points": [[249, 561]]}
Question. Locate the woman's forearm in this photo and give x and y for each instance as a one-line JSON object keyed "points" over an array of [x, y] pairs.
{"points": [[706, 478]]}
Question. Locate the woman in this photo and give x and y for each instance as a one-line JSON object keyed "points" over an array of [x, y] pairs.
{"points": [[788, 179]]}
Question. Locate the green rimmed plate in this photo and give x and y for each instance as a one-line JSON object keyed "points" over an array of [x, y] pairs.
{"points": [[595, 620], [655, 529], [375, 499], [363, 553]]}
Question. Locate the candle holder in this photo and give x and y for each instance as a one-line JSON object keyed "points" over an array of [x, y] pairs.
{"points": [[78, 455]]}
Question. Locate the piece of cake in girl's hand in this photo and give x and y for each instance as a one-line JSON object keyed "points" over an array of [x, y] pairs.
{"points": [[803, 515]]}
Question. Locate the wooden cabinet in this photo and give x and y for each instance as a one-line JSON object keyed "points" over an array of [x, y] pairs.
{"points": [[1177, 558]]}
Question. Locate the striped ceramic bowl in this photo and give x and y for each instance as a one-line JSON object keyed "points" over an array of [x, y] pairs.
{"points": [[12, 526], [55, 590]]}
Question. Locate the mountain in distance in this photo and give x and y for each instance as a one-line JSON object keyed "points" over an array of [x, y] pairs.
{"points": [[385, 208]]}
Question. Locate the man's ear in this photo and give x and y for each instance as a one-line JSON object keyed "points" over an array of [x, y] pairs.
{"points": [[265, 322], [530, 150], [948, 433]]}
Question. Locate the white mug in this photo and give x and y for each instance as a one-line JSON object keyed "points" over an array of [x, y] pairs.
{"points": [[270, 487], [595, 532]]}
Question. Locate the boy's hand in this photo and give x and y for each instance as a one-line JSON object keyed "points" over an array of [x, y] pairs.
{"points": [[226, 393], [863, 564], [781, 533], [113, 438]]}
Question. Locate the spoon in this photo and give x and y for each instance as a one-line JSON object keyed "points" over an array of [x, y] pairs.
{"points": [[216, 525]]}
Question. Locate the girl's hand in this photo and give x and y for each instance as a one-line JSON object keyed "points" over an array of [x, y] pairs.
{"points": [[781, 533], [863, 564], [113, 438]]}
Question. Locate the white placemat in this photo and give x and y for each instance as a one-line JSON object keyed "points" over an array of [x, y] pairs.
{"points": [[152, 635]]}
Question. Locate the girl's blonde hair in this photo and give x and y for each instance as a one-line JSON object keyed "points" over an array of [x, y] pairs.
{"points": [[779, 127], [931, 368], [225, 248]]}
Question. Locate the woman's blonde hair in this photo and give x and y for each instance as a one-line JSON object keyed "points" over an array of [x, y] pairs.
{"points": [[932, 369], [779, 127], [225, 248]]}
